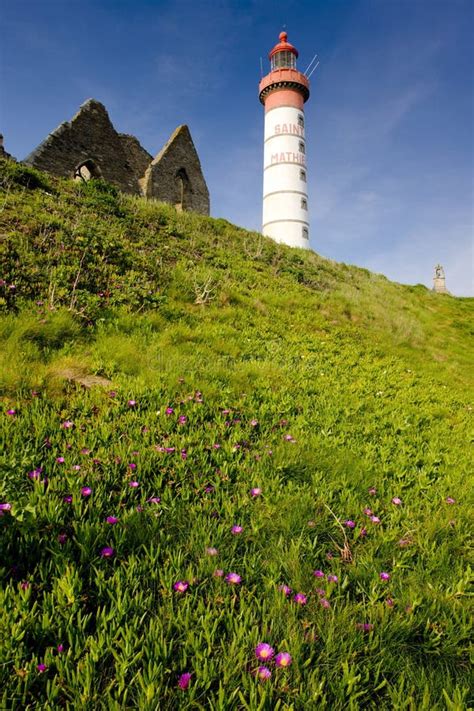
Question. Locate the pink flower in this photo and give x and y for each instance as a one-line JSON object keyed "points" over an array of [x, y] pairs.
{"points": [[233, 579], [153, 500], [60, 648], [396, 501], [182, 419], [264, 651], [368, 512], [365, 626], [363, 532], [181, 586], [62, 538], [318, 573], [41, 668], [283, 659], [384, 576], [132, 466], [389, 602], [184, 680], [375, 519], [107, 552], [112, 520], [169, 411], [255, 492], [325, 603], [332, 578], [60, 460], [235, 530], [349, 524], [263, 673], [11, 413], [5, 507], [25, 585], [450, 500], [285, 590], [218, 573], [86, 491], [67, 499], [211, 551], [131, 403], [372, 491], [76, 467], [67, 425], [300, 599], [133, 484], [254, 423]]}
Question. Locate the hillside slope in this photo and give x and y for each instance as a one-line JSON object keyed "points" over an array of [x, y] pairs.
{"points": [[224, 363]]}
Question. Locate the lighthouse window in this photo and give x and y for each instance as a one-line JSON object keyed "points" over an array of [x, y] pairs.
{"points": [[304, 204], [305, 233], [302, 147], [284, 60], [303, 175], [301, 120]]}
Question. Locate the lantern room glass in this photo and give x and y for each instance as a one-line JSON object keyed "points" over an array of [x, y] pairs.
{"points": [[283, 60]]}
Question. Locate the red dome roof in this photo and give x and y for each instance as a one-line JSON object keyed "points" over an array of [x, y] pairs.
{"points": [[283, 46]]}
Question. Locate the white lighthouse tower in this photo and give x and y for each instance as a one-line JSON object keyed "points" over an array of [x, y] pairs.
{"points": [[283, 93]]}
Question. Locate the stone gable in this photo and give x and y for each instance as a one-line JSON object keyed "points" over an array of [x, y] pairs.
{"points": [[89, 146]]}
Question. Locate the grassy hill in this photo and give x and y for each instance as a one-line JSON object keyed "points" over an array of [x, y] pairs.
{"points": [[156, 368]]}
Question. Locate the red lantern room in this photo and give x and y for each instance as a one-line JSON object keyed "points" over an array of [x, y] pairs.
{"points": [[283, 73]]}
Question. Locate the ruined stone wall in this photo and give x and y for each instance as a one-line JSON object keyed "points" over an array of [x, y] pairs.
{"points": [[91, 136], [175, 175]]}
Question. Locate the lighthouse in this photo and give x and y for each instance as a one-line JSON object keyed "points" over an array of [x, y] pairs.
{"points": [[283, 93]]}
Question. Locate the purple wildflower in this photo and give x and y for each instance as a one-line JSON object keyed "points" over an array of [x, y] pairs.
{"points": [[372, 491], [233, 579], [285, 590], [263, 673], [67, 425], [300, 599], [184, 680], [133, 484], [363, 532], [153, 500], [375, 519], [396, 501], [255, 492], [450, 500], [365, 626], [384, 576], [112, 520], [349, 524], [41, 668], [5, 507], [62, 538], [11, 412], [318, 573], [60, 648], [67, 499], [389, 602], [131, 403], [325, 603], [218, 573], [254, 423], [332, 578], [264, 651], [86, 491], [25, 585], [235, 530], [107, 552], [368, 512], [211, 551], [283, 659], [169, 411], [60, 460], [181, 586]]}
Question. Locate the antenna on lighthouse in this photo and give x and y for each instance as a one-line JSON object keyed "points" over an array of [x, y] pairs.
{"points": [[313, 69], [310, 63]]}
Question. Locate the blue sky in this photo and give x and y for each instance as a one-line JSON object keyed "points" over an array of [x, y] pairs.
{"points": [[389, 124]]}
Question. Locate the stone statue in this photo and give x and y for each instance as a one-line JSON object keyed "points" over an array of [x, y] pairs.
{"points": [[439, 280]]}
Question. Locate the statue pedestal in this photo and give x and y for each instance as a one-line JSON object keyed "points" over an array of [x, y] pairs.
{"points": [[439, 285]]}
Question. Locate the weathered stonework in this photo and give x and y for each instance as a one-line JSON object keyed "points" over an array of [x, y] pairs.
{"points": [[3, 153], [88, 146], [439, 281], [175, 175]]}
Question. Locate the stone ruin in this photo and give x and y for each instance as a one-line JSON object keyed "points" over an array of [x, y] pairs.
{"points": [[88, 147], [439, 280]]}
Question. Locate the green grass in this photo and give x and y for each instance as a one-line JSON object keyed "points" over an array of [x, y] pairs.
{"points": [[371, 379]]}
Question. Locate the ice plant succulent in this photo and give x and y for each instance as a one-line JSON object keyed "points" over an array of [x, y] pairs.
{"points": [[384, 576], [256, 491], [300, 599], [233, 579], [264, 651], [235, 530], [184, 680], [107, 552], [112, 520], [263, 673], [283, 659], [181, 586], [86, 491]]}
